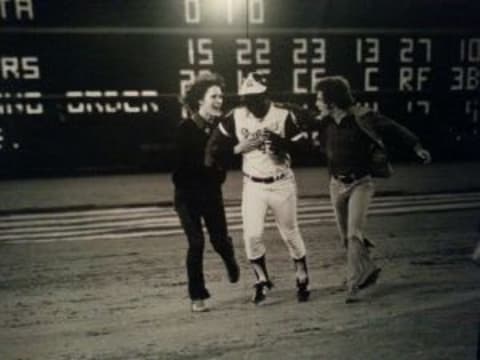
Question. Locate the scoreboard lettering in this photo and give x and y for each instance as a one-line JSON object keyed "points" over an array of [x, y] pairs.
{"points": [[111, 102], [60, 63], [16, 9], [25, 67], [382, 63]]}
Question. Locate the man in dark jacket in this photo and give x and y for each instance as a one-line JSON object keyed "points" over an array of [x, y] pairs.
{"points": [[349, 136], [198, 189]]}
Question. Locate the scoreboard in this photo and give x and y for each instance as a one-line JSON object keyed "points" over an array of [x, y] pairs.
{"points": [[95, 84]]}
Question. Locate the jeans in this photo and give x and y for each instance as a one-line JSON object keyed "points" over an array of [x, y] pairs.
{"points": [[350, 203], [193, 205]]}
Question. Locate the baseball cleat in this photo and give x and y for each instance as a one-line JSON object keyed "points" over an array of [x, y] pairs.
{"points": [[476, 255], [261, 290], [199, 306], [303, 292], [352, 296]]}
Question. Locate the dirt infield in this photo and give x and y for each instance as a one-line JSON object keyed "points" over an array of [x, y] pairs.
{"points": [[126, 299]]}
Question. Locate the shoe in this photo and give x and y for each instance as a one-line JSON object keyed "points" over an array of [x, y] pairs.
{"points": [[199, 306], [233, 271], [476, 255], [352, 296], [371, 279], [261, 290], [368, 244], [303, 292]]}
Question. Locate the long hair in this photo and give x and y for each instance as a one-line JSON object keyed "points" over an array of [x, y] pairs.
{"points": [[199, 87], [336, 91]]}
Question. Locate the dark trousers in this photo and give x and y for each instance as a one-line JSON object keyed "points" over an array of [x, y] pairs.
{"points": [[191, 206]]}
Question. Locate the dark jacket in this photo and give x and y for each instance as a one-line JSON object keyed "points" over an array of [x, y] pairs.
{"points": [[378, 128], [190, 171]]}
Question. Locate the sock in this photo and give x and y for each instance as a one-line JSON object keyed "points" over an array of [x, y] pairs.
{"points": [[301, 270], [260, 269]]}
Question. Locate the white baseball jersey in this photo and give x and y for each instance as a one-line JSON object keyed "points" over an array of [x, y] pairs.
{"points": [[242, 124]]}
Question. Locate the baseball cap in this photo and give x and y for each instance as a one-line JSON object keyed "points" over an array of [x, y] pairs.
{"points": [[254, 83]]}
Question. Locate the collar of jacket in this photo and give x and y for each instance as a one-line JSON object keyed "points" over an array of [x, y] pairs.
{"points": [[201, 122]]}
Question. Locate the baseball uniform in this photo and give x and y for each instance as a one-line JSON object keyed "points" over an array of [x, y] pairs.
{"points": [[268, 183]]}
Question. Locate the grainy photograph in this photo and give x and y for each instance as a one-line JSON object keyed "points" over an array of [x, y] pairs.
{"points": [[239, 179]]}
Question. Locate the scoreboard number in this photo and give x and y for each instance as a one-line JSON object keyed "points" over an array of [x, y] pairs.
{"points": [[472, 108], [470, 50], [250, 51], [200, 51], [195, 9], [312, 50], [409, 47], [419, 105], [368, 50]]}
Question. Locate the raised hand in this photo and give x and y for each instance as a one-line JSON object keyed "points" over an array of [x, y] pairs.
{"points": [[423, 154], [247, 145]]}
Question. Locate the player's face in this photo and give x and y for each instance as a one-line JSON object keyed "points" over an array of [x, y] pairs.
{"points": [[320, 104], [257, 104], [211, 104]]}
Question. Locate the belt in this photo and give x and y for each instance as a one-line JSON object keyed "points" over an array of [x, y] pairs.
{"points": [[348, 179], [266, 180]]}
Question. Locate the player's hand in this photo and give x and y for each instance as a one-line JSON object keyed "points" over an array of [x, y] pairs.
{"points": [[275, 142], [423, 154], [248, 145], [270, 135]]}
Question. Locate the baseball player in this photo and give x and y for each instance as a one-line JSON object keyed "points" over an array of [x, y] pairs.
{"points": [[263, 133]]}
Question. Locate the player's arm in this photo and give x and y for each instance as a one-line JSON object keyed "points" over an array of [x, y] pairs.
{"points": [[226, 133], [247, 145], [295, 137]]}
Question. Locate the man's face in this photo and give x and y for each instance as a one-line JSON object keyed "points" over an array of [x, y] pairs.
{"points": [[320, 104], [257, 104]]}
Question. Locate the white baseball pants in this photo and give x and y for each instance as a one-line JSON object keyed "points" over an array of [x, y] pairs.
{"points": [[279, 196]]}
